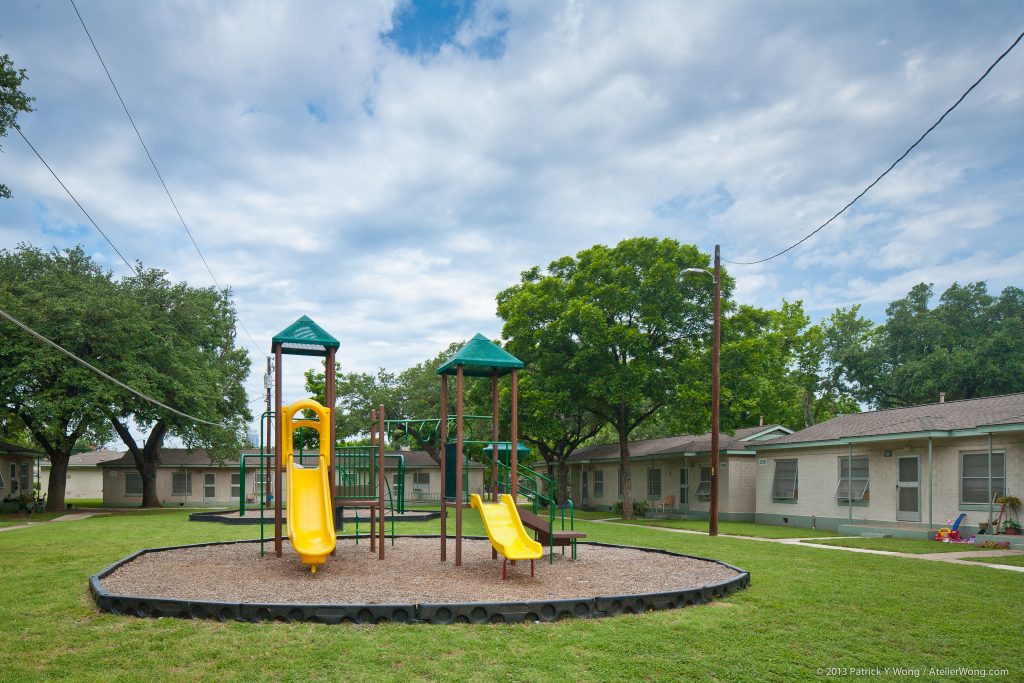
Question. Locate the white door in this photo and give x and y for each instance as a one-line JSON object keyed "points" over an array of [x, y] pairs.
{"points": [[908, 488]]}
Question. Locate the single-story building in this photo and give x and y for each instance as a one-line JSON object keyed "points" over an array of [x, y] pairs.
{"points": [[190, 477], [16, 467], [84, 477], [911, 468], [673, 474]]}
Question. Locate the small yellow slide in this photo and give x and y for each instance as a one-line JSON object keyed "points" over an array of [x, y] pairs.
{"points": [[506, 532], [310, 518]]}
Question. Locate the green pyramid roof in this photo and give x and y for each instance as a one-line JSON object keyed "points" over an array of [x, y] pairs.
{"points": [[305, 338], [479, 358]]}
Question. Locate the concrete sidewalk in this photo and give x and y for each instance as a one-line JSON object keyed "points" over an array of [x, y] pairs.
{"points": [[73, 517], [950, 558]]}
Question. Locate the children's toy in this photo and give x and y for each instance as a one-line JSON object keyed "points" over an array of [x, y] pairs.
{"points": [[951, 534]]}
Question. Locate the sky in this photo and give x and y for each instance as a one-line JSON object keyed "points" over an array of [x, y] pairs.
{"points": [[388, 167]]}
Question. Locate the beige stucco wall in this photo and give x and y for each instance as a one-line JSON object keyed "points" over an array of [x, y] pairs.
{"points": [[433, 492], [82, 482], [113, 485], [818, 476], [734, 496]]}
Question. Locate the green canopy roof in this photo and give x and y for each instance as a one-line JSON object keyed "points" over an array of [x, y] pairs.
{"points": [[479, 358], [305, 338], [505, 446]]}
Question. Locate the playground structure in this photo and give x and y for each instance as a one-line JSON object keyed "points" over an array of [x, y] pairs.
{"points": [[311, 514], [220, 581], [314, 509]]}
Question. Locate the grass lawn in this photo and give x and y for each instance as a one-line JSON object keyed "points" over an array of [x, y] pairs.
{"points": [[807, 608], [917, 546], [1012, 560], [733, 528]]}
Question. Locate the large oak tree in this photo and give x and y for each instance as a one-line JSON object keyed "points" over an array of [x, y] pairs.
{"points": [[621, 326]]}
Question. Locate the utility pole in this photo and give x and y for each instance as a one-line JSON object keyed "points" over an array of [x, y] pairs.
{"points": [[716, 348]]}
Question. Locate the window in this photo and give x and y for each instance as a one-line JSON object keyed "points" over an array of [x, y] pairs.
{"points": [[583, 491], [703, 491], [26, 476], [974, 476], [654, 483], [784, 485], [1, 480], [618, 482], [858, 485], [236, 485], [258, 485], [181, 484], [598, 483], [684, 486], [209, 485], [132, 484], [421, 481]]}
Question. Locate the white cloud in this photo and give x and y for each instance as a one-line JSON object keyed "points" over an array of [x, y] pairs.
{"points": [[390, 197]]}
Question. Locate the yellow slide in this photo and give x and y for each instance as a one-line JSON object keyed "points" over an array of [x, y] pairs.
{"points": [[505, 529], [310, 508]]}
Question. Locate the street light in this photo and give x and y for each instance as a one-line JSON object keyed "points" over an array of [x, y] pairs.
{"points": [[716, 345]]}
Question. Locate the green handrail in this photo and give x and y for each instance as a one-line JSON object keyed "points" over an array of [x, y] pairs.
{"points": [[528, 487]]}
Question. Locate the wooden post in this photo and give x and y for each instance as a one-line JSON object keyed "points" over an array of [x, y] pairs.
{"points": [[265, 484], [459, 389], [380, 477], [494, 435], [443, 438], [277, 450], [367, 484], [514, 456], [329, 392]]}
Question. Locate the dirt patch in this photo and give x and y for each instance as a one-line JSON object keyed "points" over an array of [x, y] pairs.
{"points": [[411, 573]]}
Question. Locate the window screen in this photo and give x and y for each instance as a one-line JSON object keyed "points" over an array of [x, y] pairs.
{"points": [[974, 476], [784, 485], [858, 483]]}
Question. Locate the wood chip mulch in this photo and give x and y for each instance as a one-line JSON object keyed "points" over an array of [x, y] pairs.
{"points": [[411, 573]]}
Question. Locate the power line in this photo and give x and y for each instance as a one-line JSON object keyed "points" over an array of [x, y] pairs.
{"points": [[77, 203], [99, 372], [93, 222], [891, 166], [153, 164]]}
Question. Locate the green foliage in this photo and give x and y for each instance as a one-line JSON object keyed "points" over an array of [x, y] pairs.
{"points": [[639, 508], [69, 299], [971, 344], [12, 101], [616, 331]]}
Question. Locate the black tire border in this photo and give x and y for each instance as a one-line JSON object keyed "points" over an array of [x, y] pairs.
{"points": [[412, 613]]}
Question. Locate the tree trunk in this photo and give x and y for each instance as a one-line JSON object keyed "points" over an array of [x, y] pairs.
{"points": [[147, 458], [808, 419], [563, 482], [147, 471], [58, 480], [625, 471]]}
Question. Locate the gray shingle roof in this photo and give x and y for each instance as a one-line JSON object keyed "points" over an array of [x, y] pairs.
{"points": [[951, 415], [686, 443]]}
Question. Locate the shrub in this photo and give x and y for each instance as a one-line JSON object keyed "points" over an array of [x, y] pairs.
{"points": [[639, 508]]}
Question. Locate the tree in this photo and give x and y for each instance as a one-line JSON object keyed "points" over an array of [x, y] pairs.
{"points": [[967, 346], [66, 297], [553, 423], [620, 325], [12, 101], [180, 349]]}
